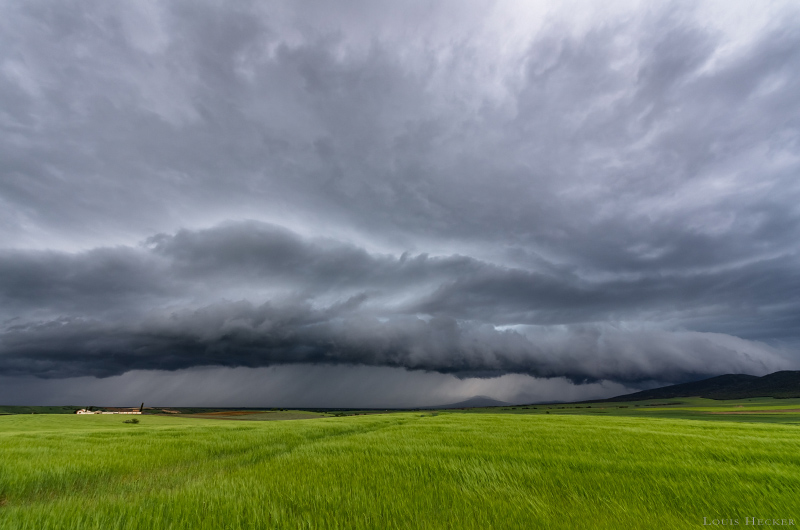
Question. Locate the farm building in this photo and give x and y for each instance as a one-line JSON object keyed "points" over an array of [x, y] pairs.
{"points": [[112, 410]]}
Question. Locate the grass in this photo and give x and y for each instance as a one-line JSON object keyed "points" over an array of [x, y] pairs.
{"points": [[399, 470], [759, 410], [250, 415]]}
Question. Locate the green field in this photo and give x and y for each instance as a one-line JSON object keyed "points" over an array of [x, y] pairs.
{"points": [[399, 470], [761, 410]]}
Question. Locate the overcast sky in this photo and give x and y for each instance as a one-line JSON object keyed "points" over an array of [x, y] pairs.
{"points": [[394, 203]]}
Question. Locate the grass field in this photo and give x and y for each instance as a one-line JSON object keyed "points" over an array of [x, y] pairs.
{"points": [[254, 415], [402, 470], [761, 410]]}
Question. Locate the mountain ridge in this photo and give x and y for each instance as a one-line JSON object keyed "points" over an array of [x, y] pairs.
{"points": [[783, 384], [473, 402]]}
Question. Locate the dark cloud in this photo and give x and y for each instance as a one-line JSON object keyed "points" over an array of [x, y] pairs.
{"points": [[239, 334], [591, 193], [329, 302]]}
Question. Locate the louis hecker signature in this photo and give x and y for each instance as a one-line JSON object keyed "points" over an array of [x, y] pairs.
{"points": [[748, 521]]}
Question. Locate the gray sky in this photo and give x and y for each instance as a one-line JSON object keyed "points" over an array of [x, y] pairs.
{"points": [[394, 204]]}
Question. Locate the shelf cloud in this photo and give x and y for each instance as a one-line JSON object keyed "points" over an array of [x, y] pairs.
{"points": [[253, 295]]}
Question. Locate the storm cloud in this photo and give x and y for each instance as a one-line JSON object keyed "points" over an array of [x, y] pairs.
{"points": [[250, 294], [599, 196]]}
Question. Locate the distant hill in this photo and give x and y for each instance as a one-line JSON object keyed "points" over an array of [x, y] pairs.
{"points": [[8, 409], [785, 384], [473, 402]]}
